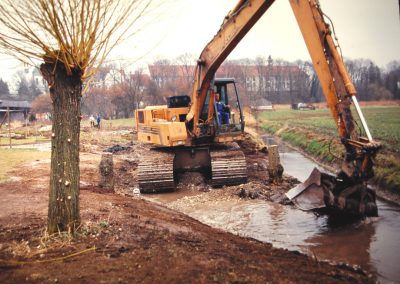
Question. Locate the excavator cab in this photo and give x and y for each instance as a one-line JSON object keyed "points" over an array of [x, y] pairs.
{"points": [[224, 114]]}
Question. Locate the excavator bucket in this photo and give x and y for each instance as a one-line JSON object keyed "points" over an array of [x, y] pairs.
{"points": [[338, 194], [312, 193]]}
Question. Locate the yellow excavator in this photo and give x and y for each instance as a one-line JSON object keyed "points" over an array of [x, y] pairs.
{"points": [[196, 134]]}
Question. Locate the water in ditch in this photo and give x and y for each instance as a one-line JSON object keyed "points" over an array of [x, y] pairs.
{"points": [[373, 244]]}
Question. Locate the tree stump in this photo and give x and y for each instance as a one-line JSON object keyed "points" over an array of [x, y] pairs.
{"points": [[275, 169], [107, 171]]}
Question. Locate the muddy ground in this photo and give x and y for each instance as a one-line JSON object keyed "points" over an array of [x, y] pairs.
{"points": [[125, 238]]}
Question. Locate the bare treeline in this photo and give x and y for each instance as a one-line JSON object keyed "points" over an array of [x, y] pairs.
{"points": [[116, 92]]}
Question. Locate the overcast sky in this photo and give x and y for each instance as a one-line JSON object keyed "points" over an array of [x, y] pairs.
{"points": [[367, 29]]}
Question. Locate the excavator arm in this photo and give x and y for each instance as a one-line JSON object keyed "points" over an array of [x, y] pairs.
{"points": [[336, 84], [234, 27], [347, 192], [338, 89]]}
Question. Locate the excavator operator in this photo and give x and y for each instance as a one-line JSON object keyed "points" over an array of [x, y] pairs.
{"points": [[222, 109]]}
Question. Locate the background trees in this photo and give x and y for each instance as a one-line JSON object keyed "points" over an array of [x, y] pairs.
{"points": [[42, 104], [258, 80], [116, 91], [4, 90], [392, 79], [275, 80]]}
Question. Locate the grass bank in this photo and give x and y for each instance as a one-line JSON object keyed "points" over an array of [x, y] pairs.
{"points": [[315, 133]]}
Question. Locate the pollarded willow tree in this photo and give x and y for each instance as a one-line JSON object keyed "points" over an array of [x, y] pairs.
{"points": [[71, 38]]}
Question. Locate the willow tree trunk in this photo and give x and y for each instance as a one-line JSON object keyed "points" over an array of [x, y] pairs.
{"points": [[65, 92]]}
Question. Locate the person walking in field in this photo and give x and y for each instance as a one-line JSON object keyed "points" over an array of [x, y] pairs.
{"points": [[92, 120], [98, 120]]}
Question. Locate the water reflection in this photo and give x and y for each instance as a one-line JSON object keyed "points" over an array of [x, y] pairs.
{"points": [[385, 246], [374, 245], [284, 226], [349, 244]]}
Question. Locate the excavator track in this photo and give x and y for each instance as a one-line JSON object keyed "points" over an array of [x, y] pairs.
{"points": [[228, 167], [156, 174]]}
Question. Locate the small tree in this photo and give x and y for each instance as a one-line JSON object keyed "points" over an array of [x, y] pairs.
{"points": [[392, 79], [34, 91], [4, 90], [71, 38], [23, 89], [42, 104]]}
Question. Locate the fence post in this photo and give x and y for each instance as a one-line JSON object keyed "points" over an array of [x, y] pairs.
{"points": [[275, 169]]}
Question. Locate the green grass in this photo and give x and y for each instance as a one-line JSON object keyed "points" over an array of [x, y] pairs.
{"points": [[324, 149], [315, 132], [383, 122], [11, 158]]}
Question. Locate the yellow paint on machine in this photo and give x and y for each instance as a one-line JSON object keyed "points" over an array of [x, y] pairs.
{"points": [[164, 133], [161, 126]]}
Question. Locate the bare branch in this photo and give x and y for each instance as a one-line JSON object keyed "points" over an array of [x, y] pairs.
{"points": [[78, 33]]}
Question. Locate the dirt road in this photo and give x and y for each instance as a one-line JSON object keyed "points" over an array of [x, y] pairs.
{"points": [[126, 239]]}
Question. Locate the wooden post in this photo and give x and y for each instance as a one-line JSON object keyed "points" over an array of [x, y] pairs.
{"points": [[9, 125], [275, 169], [106, 169]]}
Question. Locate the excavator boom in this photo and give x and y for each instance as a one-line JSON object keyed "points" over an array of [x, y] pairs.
{"points": [[350, 192]]}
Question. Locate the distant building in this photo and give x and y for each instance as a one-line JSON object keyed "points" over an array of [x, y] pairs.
{"points": [[278, 84], [19, 110]]}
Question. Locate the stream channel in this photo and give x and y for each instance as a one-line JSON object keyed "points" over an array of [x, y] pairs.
{"points": [[373, 244]]}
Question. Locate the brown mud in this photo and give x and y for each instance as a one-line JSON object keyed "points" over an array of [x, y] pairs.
{"points": [[127, 239]]}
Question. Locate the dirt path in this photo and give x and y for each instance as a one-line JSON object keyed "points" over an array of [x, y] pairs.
{"points": [[125, 239]]}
